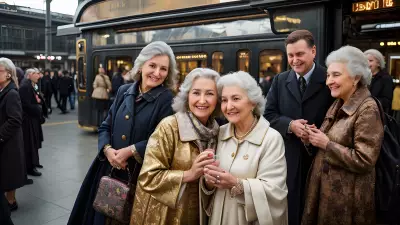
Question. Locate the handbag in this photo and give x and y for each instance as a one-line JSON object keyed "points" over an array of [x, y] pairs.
{"points": [[113, 198]]}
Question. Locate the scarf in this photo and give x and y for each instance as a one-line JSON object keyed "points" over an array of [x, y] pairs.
{"points": [[207, 134]]}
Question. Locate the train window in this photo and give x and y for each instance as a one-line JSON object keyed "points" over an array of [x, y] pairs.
{"points": [[116, 64], [188, 62], [288, 20], [270, 63], [243, 60], [81, 74], [218, 62], [96, 66]]}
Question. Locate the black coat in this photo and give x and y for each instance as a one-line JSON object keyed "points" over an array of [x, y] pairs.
{"points": [[128, 122], [33, 117], [46, 85], [12, 158], [284, 104], [66, 85], [382, 88]]}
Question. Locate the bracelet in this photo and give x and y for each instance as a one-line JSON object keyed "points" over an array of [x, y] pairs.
{"points": [[238, 189], [106, 147]]}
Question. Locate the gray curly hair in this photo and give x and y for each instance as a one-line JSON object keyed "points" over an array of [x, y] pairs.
{"points": [[180, 103], [155, 49], [355, 60], [10, 68], [248, 84]]}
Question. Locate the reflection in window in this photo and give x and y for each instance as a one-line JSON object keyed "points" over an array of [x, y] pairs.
{"points": [[202, 31], [116, 64], [217, 62], [270, 63], [96, 66], [188, 62], [81, 74], [243, 60]]}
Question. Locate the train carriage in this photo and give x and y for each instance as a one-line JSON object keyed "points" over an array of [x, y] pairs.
{"points": [[226, 35]]}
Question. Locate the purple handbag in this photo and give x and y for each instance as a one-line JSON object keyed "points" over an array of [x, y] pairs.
{"points": [[113, 198]]}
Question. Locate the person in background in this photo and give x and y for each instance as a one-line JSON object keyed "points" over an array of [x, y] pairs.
{"points": [[297, 97], [341, 182], [249, 185], [65, 88], [119, 79], [101, 89], [177, 151], [47, 89], [132, 118], [396, 103], [55, 86], [381, 85], [12, 159], [72, 95], [34, 111], [20, 74]]}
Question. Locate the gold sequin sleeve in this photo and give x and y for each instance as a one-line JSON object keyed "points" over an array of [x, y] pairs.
{"points": [[156, 178]]}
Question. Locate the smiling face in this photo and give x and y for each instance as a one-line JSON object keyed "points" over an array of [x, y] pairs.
{"points": [[373, 64], [301, 56], [340, 82], [203, 98], [154, 71], [236, 105]]}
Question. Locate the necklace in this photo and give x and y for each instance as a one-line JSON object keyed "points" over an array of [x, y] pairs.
{"points": [[251, 128]]}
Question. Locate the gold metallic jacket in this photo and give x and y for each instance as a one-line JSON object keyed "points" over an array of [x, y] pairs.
{"points": [[161, 196]]}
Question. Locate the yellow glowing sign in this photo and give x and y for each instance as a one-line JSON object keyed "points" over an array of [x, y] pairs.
{"points": [[194, 56], [373, 5]]}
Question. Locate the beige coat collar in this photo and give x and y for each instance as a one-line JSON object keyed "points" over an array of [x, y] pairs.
{"points": [[185, 127], [256, 136]]}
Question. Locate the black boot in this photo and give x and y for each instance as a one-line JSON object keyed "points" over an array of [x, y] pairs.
{"points": [[13, 206]]}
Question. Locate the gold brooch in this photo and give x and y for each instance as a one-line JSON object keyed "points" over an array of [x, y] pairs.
{"points": [[246, 157]]}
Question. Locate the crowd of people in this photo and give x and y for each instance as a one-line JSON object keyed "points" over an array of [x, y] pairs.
{"points": [[303, 154], [25, 103]]}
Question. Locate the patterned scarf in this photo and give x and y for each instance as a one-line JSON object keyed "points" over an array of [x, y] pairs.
{"points": [[207, 134]]}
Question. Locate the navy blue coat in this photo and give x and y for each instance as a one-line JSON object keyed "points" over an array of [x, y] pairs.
{"points": [[128, 122], [284, 104]]}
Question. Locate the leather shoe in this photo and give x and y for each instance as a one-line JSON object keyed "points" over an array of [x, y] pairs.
{"points": [[13, 206], [34, 172], [39, 166], [28, 181]]}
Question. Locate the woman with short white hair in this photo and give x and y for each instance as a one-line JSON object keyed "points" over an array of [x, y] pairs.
{"points": [[168, 184], [248, 184], [341, 182], [382, 83], [12, 160]]}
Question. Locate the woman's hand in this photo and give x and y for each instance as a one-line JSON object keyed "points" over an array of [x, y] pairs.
{"points": [[218, 177], [110, 154], [203, 159], [305, 137], [122, 156], [317, 138]]}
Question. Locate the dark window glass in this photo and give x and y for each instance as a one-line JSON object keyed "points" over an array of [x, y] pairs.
{"points": [[243, 60], [81, 74], [188, 62], [270, 63]]}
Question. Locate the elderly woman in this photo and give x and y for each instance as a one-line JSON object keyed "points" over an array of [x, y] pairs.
{"points": [[12, 161], [249, 185], [340, 186], [168, 185], [34, 111], [382, 83], [132, 118]]}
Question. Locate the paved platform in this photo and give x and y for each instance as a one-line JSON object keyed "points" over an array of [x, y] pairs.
{"points": [[66, 156]]}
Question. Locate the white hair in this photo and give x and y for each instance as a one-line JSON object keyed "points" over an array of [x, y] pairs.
{"points": [[180, 103], [378, 56], [30, 71], [10, 68], [355, 60], [248, 84], [151, 50]]}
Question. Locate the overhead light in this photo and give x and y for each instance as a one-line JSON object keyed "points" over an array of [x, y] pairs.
{"points": [[106, 36], [382, 44]]}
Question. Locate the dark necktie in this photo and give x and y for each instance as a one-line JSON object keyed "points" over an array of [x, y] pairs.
{"points": [[303, 85]]}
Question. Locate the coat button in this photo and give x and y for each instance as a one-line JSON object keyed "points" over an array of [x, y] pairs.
{"points": [[123, 137], [127, 117]]}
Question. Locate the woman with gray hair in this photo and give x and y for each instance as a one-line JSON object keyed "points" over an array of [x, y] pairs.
{"points": [[176, 153], [12, 161], [248, 184], [136, 111], [341, 182], [382, 83]]}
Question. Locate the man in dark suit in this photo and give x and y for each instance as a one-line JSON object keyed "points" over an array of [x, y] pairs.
{"points": [[297, 98]]}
